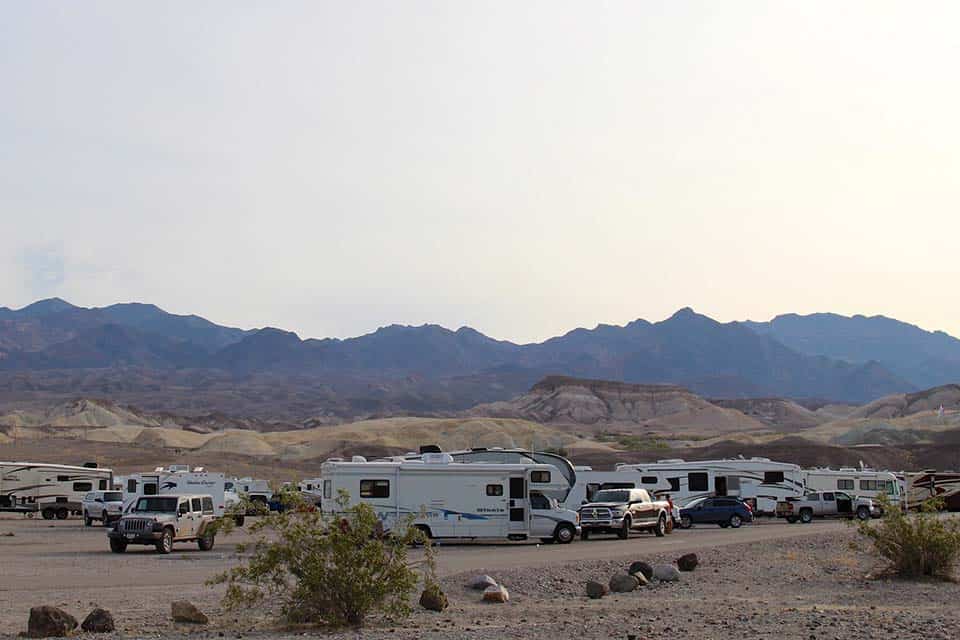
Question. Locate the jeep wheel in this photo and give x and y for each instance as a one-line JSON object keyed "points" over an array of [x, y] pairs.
{"points": [[685, 522], [735, 521], [624, 532], [565, 533], [118, 545], [661, 529], [165, 544], [206, 542], [806, 516], [863, 513], [585, 534], [62, 514]]}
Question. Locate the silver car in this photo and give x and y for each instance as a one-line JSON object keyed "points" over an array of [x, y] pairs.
{"points": [[105, 506]]}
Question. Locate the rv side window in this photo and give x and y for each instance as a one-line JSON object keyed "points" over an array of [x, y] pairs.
{"points": [[195, 505], [494, 489], [649, 479], [149, 489], [772, 477], [103, 485], [374, 488], [327, 488], [83, 486], [698, 482], [208, 505], [674, 484], [540, 476], [865, 485], [845, 484], [131, 486]]}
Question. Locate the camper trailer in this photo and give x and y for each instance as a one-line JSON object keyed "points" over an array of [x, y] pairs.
{"points": [[918, 487], [53, 490], [449, 499], [254, 489], [759, 481], [865, 483], [180, 479], [590, 481]]}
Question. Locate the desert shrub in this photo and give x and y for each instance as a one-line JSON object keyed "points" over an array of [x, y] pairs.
{"points": [[334, 569], [915, 544]]}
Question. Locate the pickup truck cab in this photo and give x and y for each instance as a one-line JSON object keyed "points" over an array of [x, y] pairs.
{"points": [[826, 504], [621, 510], [161, 520]]}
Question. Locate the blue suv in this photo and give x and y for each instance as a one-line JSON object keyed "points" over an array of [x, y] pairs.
{"points": [[726, 512]]}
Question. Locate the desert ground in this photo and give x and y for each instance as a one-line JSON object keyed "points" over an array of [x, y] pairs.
{"points": [[765, 580]]}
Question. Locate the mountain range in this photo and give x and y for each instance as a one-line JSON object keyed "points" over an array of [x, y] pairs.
{"points": [[136, 352]]}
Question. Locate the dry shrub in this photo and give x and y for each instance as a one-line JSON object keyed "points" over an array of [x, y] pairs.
{"points": [[915, 545]]}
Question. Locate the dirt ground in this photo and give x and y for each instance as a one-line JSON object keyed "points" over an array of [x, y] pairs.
{"points": [[767, 580]]}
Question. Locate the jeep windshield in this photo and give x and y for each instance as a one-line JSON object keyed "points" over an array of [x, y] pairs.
{"points": [[156, 505], [611, 495]]}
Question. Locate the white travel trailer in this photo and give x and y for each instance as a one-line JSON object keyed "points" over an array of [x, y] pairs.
{"points": [[865, 483], [255, 489], [759, 481], [448, 499], [55, 490], [919, 486], [180, 479], [590, 481]]}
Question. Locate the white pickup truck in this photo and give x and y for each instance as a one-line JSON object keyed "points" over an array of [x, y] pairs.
{"points": [[826, 504]]}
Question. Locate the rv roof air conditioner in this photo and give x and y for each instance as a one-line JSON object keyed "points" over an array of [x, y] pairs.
{"points": [[437, 458], [670, 461], [358, 459]]}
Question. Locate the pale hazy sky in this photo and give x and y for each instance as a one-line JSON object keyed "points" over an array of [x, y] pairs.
{"points": [[519, 167]]}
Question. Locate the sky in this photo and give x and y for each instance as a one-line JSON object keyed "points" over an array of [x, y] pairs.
{"points": [[521, 168]]}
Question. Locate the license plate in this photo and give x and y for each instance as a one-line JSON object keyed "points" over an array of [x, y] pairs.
{"points": [[131, 536]]}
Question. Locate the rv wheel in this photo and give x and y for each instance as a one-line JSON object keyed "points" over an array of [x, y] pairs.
{"points": [[565, 533], [165, 545], [118, 545], [62, 514], [806, 516], [48, 514]]}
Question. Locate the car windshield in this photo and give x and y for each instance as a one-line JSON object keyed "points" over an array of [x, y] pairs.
{"points": [[611, 495], [695, 503], [113, 496], [156, 505]]}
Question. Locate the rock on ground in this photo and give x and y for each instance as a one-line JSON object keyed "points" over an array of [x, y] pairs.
{"points": [[481, 582], [596, 590], [496, 594], [98, 621], [623, 583], [183, 611], [688, 562], [642, 568], [49, 622], [666, 573], [433, 600]]}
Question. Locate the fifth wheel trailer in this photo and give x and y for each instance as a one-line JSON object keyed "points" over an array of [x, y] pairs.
{"points": [[53, 490]]}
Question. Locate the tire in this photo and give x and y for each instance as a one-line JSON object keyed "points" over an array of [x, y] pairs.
{"points": [[624, 532], [118, 545], [863, 513], [686, 522], [206, 542], [661, 528], [87, 520], [565, 533], [165, 544], [736, 521], [48, 514], [584, 534], [806, 516], [792, 519], [62, 514], [238, 520]]}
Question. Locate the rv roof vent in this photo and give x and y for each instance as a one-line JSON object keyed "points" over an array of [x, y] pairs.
{"points": [[198, 469], [430, 448], [437, 458], [358, 459], [670, 461]]}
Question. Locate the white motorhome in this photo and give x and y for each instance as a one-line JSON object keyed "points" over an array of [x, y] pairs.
{"points": [[180, 479], [759, 481], [865, 483], [55, 490], [590, 481], [448, 499]]}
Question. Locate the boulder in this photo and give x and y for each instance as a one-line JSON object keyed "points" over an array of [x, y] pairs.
{"points": [[623, 583], [642, 568], [496, 593], [183, 611], [688, 562], [433, 599], [596, 590], [98, 621], [480, 583], [666, 573], [49, 622]]}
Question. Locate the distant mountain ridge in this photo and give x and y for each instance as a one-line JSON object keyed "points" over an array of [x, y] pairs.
{"points": [[422, 369]]}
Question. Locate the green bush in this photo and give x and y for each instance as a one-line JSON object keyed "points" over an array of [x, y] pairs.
{"points": [[915, 544], [334, 569]]}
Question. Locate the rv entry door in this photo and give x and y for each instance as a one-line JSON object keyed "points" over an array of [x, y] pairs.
{"points": [[518, 505]]}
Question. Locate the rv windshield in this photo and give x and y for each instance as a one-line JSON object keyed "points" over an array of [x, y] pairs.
{"points": [[156, 504], [611, 495]]}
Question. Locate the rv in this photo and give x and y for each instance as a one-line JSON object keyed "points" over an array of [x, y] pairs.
{"points": [[590, 481], [759, 481], [310, 489], [254, 489], [449, 499], [55, 490], [918, 487], [865, 483], [180, 479]]}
